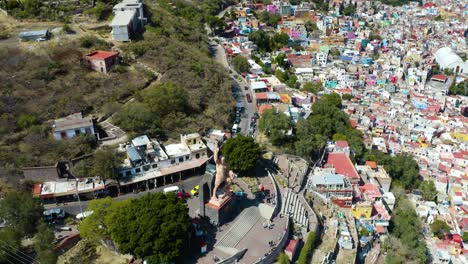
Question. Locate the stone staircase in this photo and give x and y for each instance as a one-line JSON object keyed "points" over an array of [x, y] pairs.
{"points": [[293, 207], [240, 228]]}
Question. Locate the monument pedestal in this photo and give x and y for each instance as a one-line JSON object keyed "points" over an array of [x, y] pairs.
{"points": [[221, 210]]}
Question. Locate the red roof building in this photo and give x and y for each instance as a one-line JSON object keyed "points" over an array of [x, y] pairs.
{"points": [[101, 61], [343, 165]]}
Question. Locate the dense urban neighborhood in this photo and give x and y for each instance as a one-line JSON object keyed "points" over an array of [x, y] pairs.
{"points": [[234, 131]]}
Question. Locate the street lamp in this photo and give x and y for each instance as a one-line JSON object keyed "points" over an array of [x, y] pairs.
{"points": [[78, 195]]}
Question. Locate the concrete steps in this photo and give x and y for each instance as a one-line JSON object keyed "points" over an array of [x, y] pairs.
{"points": [[293, 207], [241, 227]]}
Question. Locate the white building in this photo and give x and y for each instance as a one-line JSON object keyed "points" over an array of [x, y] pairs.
{"points": [[128, 19], [448, 59]]}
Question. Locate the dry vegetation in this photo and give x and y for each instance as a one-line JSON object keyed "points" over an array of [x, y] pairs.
{"points": [[37, 87]]}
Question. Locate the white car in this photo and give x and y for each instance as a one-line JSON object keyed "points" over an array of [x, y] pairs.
{"points": [[83, 215]]}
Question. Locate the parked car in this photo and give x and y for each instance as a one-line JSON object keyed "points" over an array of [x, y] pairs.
{"points": [[237, 121], [84, 215], [183, 195], [256, 115], [249, 98], [195, 190]]}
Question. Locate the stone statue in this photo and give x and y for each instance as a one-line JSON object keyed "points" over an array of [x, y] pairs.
{"points": [[223, 174]]}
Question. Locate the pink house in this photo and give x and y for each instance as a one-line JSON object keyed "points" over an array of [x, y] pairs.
{"points": [[272, 9], [101, 61]]}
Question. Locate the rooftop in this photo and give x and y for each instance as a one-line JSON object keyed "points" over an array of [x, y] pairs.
{"points": [[177, 150], [101, 55], [123, 18], [71, 122], [342, 164]]}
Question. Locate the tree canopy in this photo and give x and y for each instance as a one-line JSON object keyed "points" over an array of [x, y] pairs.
{"points": [[275, 125], [312, 87], [44, 244], [440, 228], [306, 251], [240, 64], [428, 190], [409, 245], [461, 88], [21, 211], [154, 227], [241, 153], [106, 162]]}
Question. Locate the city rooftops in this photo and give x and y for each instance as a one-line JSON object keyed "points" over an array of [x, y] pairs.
{"points": [[258, 85], [71, 122], [328, 179], [141, 141], [177, 150]]}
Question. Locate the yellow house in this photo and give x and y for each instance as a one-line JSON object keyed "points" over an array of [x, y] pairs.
{"points": [[362, 211]]}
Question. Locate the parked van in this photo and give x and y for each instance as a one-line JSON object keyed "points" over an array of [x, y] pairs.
{"points": [[171, 189]]}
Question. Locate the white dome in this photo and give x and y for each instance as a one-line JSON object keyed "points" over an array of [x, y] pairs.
{"points": [[448, 59]]}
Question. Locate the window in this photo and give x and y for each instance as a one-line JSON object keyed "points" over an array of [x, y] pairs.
{"points": [[203, 154], [121, 174], [181, 159], [128, 173], [155, 166], [197, 155], [187, 157], [63, 134], [88, 131], [348, 203], [172, 161], [77, 132], [137, 170], [146, 167]]}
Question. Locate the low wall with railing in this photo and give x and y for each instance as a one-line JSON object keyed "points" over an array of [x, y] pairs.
{"points": [[271, 257]]}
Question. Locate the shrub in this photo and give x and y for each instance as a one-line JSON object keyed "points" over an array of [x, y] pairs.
{"points": [[306, 251]]}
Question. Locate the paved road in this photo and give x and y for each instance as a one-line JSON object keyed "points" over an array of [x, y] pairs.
{"points": [[74, 208], [240, 84]]}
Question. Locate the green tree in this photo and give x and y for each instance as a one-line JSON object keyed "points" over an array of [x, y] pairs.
{"points": [[106, 161], [82, 169], [312, 87], [156, 227], [349, 10], [23, 217], [240, 64], [166, 98], [465, 237], [270, 19], [25, 121], [363, 232], [241, 153], [11, 236], [94, 228], [306, 251], [282, 61], [261, 39], [428, 190], [274, 124], [283, 259], [439, 228], [279, 40], [44, 244], [311, 26], [406, 226], [404, 171], [461, 88]]}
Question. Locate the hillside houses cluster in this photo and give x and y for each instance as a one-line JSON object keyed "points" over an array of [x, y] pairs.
{"points": [[397, 64]]}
